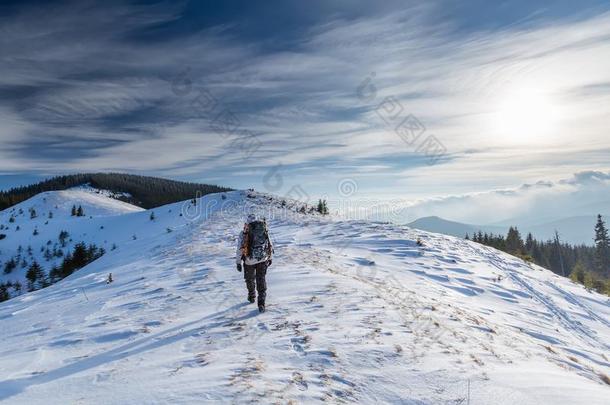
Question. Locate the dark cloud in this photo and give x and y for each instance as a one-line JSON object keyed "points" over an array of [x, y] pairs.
{"points": [[61, 148]]}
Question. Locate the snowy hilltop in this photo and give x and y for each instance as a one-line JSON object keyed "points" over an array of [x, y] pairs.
{"points": [[357, 311]]}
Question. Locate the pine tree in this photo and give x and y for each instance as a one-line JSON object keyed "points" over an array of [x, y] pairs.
{"points": [[529, 243], [514, 243], [322, 207], [36, 277], [80, 255], [63, 236], [55, 274], [10, 266], [4, 295], [602, 247], [559, 254], [73, 211], [152, 216], [80, 212]]}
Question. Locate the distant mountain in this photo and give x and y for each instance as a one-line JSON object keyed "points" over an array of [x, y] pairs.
{"points": [[452, 228], [143, 191], [575, 230]]}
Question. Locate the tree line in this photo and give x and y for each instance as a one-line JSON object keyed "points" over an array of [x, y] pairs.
{"points": [[587, 265], [144, 191]]}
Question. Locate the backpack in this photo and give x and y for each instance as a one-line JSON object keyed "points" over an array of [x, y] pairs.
{"points": [[258, 246]]}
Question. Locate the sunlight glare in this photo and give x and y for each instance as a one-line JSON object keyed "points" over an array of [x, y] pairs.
{"points": [[525, 115]]}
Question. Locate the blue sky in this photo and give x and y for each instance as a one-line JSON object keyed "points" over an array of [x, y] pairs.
{"points": [[503, 93]]}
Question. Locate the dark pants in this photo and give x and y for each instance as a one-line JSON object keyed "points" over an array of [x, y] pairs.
{"points": [[255, 279]]}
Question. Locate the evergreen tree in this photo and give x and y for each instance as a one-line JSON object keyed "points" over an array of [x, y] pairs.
{"points": [[4, 295], [558, 255], [529, 244], [63, 236], [73, 211], [602, 247], [10, 265], [152, 216], [80, 212], [36, 277], [54, 274], [79, 258], [514, 243], [322, 207]]}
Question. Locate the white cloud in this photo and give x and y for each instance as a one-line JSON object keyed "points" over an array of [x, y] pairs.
{"points": [[584, 193], [80, 69]]}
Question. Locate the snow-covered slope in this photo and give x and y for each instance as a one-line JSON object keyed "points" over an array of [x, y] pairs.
{"points": [[33, 227], [357, 312]]}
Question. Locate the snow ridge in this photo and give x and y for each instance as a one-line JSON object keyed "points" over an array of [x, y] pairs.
{"points": [[358, 311]]}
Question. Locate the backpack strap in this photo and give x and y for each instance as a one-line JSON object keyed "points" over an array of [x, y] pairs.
{"points": [[246, 240]]}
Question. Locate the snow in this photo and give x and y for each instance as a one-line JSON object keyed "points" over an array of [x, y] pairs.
{"points": [[357, 312], [101, 225]]}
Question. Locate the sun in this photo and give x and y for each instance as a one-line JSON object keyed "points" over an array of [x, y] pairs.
{"points": [[525, 115]]}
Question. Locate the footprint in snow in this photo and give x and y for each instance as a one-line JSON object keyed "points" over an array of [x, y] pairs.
{"points": [[299, 381], [297, 345]]}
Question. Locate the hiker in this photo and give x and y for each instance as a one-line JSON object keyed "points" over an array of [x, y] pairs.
{"points": [[254, 249]]}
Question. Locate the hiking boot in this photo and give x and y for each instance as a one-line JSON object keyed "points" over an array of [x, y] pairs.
{"points": [[251, 299], [261, 308]]}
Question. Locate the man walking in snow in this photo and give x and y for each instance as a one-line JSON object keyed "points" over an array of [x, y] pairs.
{"points": [[254, 249]]}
